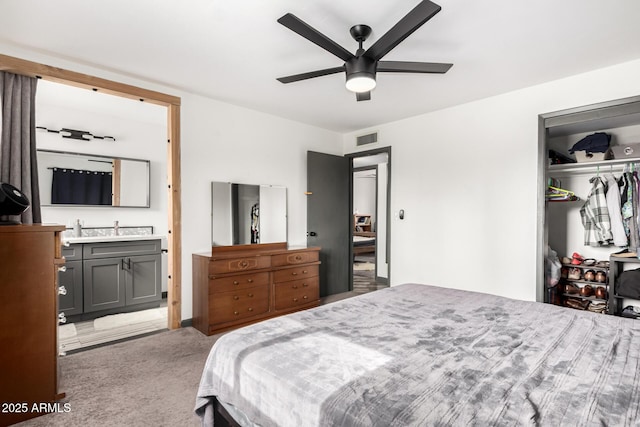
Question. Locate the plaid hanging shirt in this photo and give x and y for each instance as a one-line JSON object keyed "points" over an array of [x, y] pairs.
{"points": [[595, 216]]}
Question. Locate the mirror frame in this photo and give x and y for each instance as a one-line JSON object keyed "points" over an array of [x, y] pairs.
{"points": [[97, 156]]}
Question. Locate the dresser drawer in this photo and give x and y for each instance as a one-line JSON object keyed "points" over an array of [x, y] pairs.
{"points": [[234, 283], [229, 306], [287, 274], [238, 265], [295, 258], [297, 292]]}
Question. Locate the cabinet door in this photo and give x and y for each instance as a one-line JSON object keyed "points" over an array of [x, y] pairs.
{"points": [[143, 282], [104, 284], [71, 279]]}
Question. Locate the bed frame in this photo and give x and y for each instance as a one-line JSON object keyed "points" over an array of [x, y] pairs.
{"points": [[367, 249], [221, 417]]}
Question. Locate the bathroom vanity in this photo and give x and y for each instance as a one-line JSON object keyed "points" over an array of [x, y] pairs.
{"points": [[110, 274]]}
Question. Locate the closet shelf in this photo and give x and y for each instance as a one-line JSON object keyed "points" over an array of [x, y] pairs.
{"points": [[588, 166]]}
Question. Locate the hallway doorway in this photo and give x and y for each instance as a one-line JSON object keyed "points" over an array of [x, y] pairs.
{"points": [[370, 210]]}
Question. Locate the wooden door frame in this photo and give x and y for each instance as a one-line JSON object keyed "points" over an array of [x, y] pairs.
{"points": [[174, 237]]}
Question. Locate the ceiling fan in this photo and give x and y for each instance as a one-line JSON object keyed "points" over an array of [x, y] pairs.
{"points": [[361, 68]]}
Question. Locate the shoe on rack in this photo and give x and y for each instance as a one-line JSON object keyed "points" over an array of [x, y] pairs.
{"points": [[577, 259], [570, 288], [574, 274]]}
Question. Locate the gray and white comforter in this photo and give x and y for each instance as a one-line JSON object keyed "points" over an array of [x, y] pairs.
{"points": [[417, 355]]}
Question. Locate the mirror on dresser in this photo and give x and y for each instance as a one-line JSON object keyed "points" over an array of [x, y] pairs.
{"points": [[247, 214], [77, 179]]}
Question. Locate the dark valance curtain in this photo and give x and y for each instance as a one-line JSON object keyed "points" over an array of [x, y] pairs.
{"points": [[80, 187], [18, 165]]}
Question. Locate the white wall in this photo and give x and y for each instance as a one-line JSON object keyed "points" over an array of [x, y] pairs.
{"points": [[467, 179], [221, 142]]}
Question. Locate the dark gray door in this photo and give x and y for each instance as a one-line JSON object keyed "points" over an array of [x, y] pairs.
{"points": [[329, 219]]}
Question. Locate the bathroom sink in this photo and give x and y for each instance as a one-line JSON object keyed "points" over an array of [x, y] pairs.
{"points": [[93, 239]]}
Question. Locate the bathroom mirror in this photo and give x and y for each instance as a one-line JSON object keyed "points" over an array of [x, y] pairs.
{"points": [[244, 214], [77, 179]]}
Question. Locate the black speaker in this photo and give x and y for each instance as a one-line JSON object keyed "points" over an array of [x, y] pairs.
{"points": [[12, 202]]}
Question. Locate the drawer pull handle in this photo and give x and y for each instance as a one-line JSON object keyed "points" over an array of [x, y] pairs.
{"points": [[295, 286], [250, 309], [236, 297], [250, 295], [305, 297], [305, 285], [298, 257], [235, 282], [244, 264], [295, 273], [304, 271], [295, 300], [250, 280], [62, 268], [236, 313]]}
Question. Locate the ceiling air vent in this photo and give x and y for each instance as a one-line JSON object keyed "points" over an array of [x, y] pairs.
{"points": [[367, 139]]}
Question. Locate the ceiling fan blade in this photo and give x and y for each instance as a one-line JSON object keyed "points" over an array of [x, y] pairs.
{"points": [[363, 96], [310, 75], [413, 67], [296, 25], [403, 29]]}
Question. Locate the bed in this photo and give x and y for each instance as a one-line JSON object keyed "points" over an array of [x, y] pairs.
{"points": [[364, 242], [418, 355]]}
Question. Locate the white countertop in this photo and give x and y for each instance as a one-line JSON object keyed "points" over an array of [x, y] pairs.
{"points": [[95, 239]]}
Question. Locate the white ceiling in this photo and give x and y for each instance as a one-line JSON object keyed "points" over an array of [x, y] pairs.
{"points": [[234, 50]]}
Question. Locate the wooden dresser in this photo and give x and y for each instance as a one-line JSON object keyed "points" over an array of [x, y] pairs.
{"points": [[242, 284], [30, 256]]}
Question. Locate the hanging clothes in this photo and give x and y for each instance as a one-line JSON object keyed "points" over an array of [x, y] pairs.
{"points": [[615, 215], [595, 216]]}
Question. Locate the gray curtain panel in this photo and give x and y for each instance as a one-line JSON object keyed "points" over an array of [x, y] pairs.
{"points": [[18, 164]]}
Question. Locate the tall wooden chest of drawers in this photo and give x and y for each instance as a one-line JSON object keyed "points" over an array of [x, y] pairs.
{"points": [[30, 256], [242, 284]]}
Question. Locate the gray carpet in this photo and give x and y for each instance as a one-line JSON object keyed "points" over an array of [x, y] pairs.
{"points": [[149, 381]]}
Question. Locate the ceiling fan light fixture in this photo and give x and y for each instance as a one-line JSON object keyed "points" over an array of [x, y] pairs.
{"points": [[361, 82]]}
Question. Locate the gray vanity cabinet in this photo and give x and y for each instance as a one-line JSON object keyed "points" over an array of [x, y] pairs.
{"points": [[119, 274], [110, 277]]}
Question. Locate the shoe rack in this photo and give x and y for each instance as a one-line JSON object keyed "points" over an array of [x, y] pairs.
{"points": [[585, 287]]}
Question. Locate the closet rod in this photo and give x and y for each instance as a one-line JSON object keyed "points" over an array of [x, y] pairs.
{"points": [[608, 166]]}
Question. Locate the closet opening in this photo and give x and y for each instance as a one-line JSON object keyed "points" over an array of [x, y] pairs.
{"points": [[588, 232]]}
